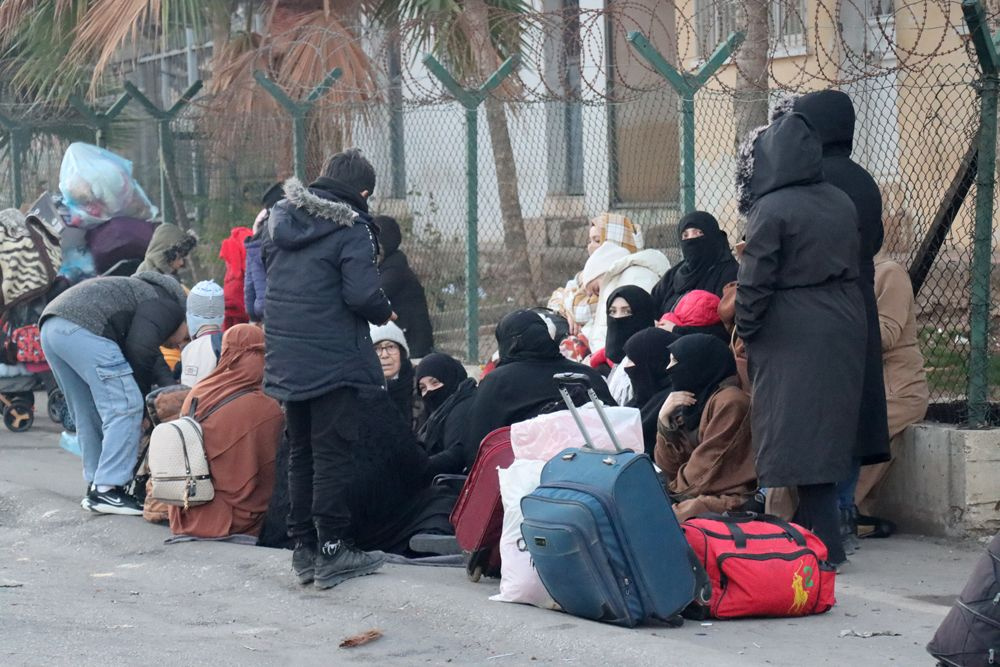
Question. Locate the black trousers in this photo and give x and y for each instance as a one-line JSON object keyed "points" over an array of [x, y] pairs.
{"points": [[322, 435], [819, 511]]}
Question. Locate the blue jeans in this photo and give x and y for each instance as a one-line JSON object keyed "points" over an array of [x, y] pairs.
{"points": [[102, 396], [845, 490]]}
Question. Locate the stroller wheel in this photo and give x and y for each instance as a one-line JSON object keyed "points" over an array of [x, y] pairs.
{"points": [[58, 410], [18, 416]]}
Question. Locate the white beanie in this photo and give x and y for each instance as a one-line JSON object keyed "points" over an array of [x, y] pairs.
{"points": [[206, 306], [389, 331], [603, 258]]}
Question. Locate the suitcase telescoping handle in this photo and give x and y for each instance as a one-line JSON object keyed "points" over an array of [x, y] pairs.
{"points": [[563, 380]]}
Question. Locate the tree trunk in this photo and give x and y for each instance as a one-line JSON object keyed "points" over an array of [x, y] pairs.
{"points": [[515, 236], [750, 99]]}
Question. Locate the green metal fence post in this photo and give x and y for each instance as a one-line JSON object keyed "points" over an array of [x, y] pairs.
{"points": [[979, 299], [299, 112], [164, 117], [18, 146], [471, 99], [687, 86], [100, 121]]}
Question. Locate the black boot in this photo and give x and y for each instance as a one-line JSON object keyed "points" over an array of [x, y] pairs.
{"points": [[304, 560], [339, 561], [849, 530]]}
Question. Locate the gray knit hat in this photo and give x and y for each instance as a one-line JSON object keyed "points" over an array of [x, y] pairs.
{"points": [[389, 331], [206, 306]]}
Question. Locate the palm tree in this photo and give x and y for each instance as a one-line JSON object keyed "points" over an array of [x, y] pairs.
{"points": [[474, 37]]}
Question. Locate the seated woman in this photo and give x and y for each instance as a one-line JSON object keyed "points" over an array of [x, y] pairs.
{"points": [[573, 301], [648, 356], [242, 429], [611, 267], [630, 310], [448, 392], [394, 355], [703, 441], [708, 262], [522, 383]]}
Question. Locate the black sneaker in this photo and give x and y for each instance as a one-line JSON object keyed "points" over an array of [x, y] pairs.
{"points": [[304, 560], [86, 502], [849, 531], [339, 561], [114, 501]]}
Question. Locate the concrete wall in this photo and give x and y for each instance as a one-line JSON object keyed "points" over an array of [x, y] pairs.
{"points": [[946, 482]]}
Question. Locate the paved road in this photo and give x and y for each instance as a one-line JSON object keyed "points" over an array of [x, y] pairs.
{"points": [[82, 589]]}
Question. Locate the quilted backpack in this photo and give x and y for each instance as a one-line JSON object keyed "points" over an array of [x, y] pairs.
{"points": [[29, 258], [178, 466]]}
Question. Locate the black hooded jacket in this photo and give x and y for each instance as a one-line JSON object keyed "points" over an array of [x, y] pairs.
{"points": [[323, 289], [831, 113], [522, 383], [404, 289], [798, 308]]}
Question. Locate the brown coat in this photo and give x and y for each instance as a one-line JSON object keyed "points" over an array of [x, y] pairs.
{"points": [[713, 469], [241, 443], [906, 389], [727, 313]]}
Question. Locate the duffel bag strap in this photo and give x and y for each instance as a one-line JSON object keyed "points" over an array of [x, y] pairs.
{"points": [[734, 519]]}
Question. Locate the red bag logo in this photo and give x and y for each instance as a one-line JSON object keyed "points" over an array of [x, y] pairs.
{"points": [[800, 596]]}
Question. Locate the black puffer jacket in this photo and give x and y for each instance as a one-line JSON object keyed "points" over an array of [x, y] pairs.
{"points": [[137, 313], [323, 289], [403, 288]]}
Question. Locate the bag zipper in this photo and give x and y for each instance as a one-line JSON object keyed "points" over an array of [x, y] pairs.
{"points": [[724, 580]]}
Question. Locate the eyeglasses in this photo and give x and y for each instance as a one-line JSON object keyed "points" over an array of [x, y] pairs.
{"points": [[387, 349]]}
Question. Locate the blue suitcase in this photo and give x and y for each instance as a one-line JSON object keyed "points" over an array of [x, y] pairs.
{"points": [[603, 537]]}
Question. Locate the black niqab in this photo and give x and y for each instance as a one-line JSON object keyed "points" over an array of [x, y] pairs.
{"points": [[701, 253], [448, 371], [649, 351], [621, 329], [526, 335], [703, 362]]}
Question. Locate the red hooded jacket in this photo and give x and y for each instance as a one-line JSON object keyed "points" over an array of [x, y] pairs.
{"points": [[234, 253]]}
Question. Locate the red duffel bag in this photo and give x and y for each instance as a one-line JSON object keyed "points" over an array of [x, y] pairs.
{"points": [[761, 565]]}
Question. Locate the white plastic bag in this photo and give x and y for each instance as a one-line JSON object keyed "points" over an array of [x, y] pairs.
{"points": [[518, 580], [97, 185], [543, 437]]}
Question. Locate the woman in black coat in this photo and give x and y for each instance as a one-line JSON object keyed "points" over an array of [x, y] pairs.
{"points": [[447, 392], [801, 315], [403, 288], [522, 384], [831, 114], [708, 262]]}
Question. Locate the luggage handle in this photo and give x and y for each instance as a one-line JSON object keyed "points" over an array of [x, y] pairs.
{"points": [[562, 381], [734, 519]]}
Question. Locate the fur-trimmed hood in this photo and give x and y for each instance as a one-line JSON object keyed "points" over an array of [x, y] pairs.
{"points": [[785, 153], [307, 214]]}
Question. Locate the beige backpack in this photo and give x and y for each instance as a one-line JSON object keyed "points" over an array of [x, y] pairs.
{"points": [[178, 467]]}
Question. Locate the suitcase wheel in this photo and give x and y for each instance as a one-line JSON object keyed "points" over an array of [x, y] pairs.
{"points": [[476, 574]]}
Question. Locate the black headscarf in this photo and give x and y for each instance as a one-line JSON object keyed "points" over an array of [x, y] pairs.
{"points": [[649, 351], [703, 362], [620, 329], [701, 253], [389, 234], [448, 371], [525, 335]]}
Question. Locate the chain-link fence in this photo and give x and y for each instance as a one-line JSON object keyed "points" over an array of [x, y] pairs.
{"points": [[576, 138]]}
